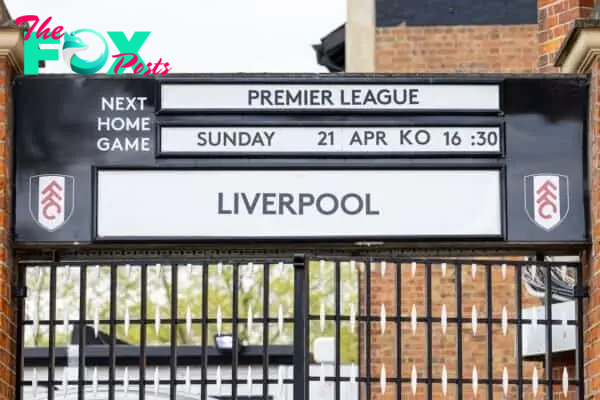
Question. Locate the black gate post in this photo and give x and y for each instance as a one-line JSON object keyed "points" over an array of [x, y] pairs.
{"points": [[301, 332], [19, 295]]}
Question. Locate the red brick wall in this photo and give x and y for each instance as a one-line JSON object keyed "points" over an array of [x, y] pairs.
{"points": [[592, 272], [557, 375], [482, 49], [555, 18], [7, 308], [413, 347], [463, 49]]}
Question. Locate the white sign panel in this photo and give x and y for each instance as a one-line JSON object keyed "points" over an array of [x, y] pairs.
{"points": [[432, 97], [215, 140], [297, 204]]}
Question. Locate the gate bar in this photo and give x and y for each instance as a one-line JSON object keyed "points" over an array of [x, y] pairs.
{"points": [[52, 334], [234, 329], [367, 309], [429, 316], [19, 295], [338, 326], [459, 333], [112, 331], [398, 327], [143, 333], [519, 303], [579, 344], [81, 327], [301, 335], [204, 372], [489, 286], [265, 328], [549, 324], [174, 326]]}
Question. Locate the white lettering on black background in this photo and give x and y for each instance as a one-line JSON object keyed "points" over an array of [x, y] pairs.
{"points": [[119, 130]]}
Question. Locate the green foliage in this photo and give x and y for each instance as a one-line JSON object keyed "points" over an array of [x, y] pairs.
{"points": [[250, 295]]}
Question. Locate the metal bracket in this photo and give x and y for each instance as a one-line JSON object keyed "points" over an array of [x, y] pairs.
{"points": [[20, 292], [300, 261], [581, 292]]}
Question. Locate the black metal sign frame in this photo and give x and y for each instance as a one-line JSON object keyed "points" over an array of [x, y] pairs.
{"points": [[542, 123], [483, 166], [346, 79], [345, 123]]}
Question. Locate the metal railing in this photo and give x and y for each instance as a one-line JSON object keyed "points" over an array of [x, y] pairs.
{"points": [[241, 328]]}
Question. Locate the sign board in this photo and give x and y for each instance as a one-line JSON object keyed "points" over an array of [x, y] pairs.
{"points": [[297, 204], [364, 97], [124, 158], [322, 140]]}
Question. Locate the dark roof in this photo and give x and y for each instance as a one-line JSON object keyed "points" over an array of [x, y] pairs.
{"points": [[393, 13], [331, 53]]}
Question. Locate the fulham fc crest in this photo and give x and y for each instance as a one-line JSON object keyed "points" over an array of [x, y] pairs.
{"points": [[547, 199], [51, 200]]}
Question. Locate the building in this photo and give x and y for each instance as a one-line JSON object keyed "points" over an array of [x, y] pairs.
{"points": [[459, 36], [388, 37]]}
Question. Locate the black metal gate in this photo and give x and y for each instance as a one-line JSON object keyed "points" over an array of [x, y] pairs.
{"points": [[300, 327]]}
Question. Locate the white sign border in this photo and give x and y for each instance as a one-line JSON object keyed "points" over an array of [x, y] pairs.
{"points": [[190, 98], [501, 236], [160, 153]]}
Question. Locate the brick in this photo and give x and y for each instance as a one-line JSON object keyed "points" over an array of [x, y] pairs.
{"points": [[592, 309], [555, 19], [472, 49], [383, 350], [7, 325], [457, 49]]}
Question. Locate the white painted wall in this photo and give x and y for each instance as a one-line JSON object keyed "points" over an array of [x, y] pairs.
{"points": [[318, 390]]}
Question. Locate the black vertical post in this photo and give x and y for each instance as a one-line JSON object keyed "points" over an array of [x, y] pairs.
{"points": [[143, 332], [234, 330], [300, 327], [52, 334], [21, 286], [113, 332], [519, 310], [368, 321], [579, 360], [173, 331], [338, 328], [548, 363], [489, 288], [459, 333], [398, 327], [204, 370], [81, 328], [429, 316], [265, 329]]}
